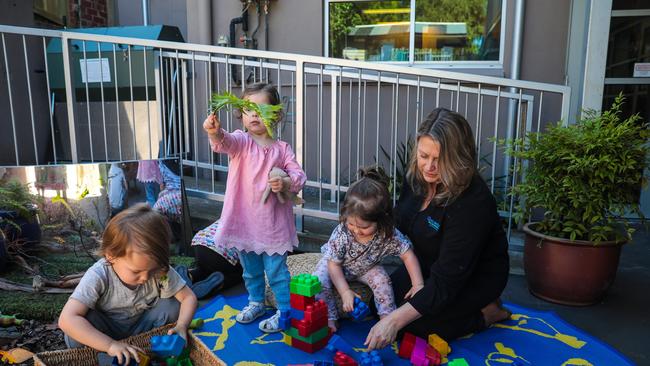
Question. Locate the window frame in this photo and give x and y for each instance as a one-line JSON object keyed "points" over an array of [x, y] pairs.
{"points": [[492, 64]]}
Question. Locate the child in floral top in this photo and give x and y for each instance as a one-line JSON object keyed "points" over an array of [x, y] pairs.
{"points": [[355, 249]]}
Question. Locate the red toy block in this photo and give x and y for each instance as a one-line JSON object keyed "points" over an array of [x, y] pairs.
{"points": [[432, 355], [341, 359], [418, 356], [406, 345], [310, 348], [300, 302], [316, 311], [305, 327]]}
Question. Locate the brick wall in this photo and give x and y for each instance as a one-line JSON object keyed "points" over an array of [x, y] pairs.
{"points": [[93, 13]]}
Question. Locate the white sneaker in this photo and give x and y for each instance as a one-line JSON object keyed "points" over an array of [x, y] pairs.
{"points": [[250, 312], [272, 324]]}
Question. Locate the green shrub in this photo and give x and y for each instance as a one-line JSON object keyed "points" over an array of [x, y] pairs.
{"points": [[585, 176]]}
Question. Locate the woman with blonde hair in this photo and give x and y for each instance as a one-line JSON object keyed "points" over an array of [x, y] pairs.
{"points": [[449, 214]]}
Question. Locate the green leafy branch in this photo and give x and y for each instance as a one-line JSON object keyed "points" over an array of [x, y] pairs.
{"points": [[268, 113]]}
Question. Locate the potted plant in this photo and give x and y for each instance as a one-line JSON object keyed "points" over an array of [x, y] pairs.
{"points": [[579, 182]]}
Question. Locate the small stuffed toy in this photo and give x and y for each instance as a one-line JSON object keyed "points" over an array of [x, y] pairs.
{"points": [[282, 196]]}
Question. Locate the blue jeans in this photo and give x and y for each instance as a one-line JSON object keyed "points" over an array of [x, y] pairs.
{"points": [[151, 189], [277, 273]]}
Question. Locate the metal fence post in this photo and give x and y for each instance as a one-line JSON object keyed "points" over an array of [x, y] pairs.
{"points": [[69, 96]]}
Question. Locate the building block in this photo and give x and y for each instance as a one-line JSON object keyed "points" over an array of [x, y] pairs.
{"points": [[300, 302], [439, 344], [418, 355], [341, 359], [457, 362], [316, 311], [371, 358], [311, 338], [432, 355], [285, 320], [337, 343], [196, 323], [406, 345], [307, 347], [306, 327], [144, 361], [305, 284], [167, 345], [361, 310], [296, 314], [117, 363]]}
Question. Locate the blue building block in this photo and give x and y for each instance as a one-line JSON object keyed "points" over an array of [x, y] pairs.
{"points": [[361, 310], [167, 345], [371, 358], [337, 343], [323, 363], [296, 314], [285, 320]]}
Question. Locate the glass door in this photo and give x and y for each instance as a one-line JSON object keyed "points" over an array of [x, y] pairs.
{"points": [[628, 65]]}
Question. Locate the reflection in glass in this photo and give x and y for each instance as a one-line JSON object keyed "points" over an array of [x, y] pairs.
{"points": [[445, 30], [629, 43]]}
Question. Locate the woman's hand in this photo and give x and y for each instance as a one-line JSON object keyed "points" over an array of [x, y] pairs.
{"points": [[382, 334], [124, 352], [211, 125], [180, 330], [348, 300], [414, 290]]}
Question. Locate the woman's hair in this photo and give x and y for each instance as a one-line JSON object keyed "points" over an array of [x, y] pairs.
{"points": [[138, 228], [368, 199], [267, 89], [457, 160]]}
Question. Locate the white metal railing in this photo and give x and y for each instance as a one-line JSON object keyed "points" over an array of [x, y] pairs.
{"points": [[341, 114]]}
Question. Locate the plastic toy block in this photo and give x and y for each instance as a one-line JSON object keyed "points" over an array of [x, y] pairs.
{"points": [[285, 320], [418, 356], [337, 343], [167, 345], [457, 362], [296, 314], [323, 363], [144, 361], [309, 348], [311, 338], [341, 359], [196, 323], [305, 284], [406, 345], [371, 358], [432, 355], [361, 310], [300, 302], [305, 327], [439, 344], [316, 311]]}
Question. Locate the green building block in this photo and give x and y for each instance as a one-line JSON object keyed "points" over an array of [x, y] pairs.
{"points": [[312, 338], [305, 284], [457, 362]]}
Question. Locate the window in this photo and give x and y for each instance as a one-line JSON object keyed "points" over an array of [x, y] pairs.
{"points": [[418, 31], [53, 10]]}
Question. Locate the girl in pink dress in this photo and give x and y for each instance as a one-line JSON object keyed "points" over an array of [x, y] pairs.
{"points": [[262, 232]]}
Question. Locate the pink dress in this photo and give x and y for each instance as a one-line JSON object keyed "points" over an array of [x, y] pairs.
{"points": [[246, 223], [148, 172]]}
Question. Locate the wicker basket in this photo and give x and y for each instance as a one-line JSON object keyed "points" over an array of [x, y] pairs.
{"points": [[199, 353], [306, 263]]}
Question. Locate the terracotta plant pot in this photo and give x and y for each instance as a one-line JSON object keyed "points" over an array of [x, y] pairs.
{"points": [[569, 272]]}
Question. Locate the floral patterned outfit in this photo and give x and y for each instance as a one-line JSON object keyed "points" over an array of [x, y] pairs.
{"points": [[360, 262]]}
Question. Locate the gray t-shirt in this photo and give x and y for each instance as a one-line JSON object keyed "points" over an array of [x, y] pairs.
{"points": [[102, 290]]}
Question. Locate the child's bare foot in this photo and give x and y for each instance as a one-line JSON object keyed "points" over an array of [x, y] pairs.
{"points": [[333, 325], [494, 312]]}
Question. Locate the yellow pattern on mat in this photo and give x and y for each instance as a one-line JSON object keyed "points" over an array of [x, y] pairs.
{"points": [[523, 320], [261, 339], [503, 356], [577, 362], [227, 314]]}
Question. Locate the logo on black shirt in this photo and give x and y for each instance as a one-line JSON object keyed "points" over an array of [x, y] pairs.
{"points": [[435, 225]]}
